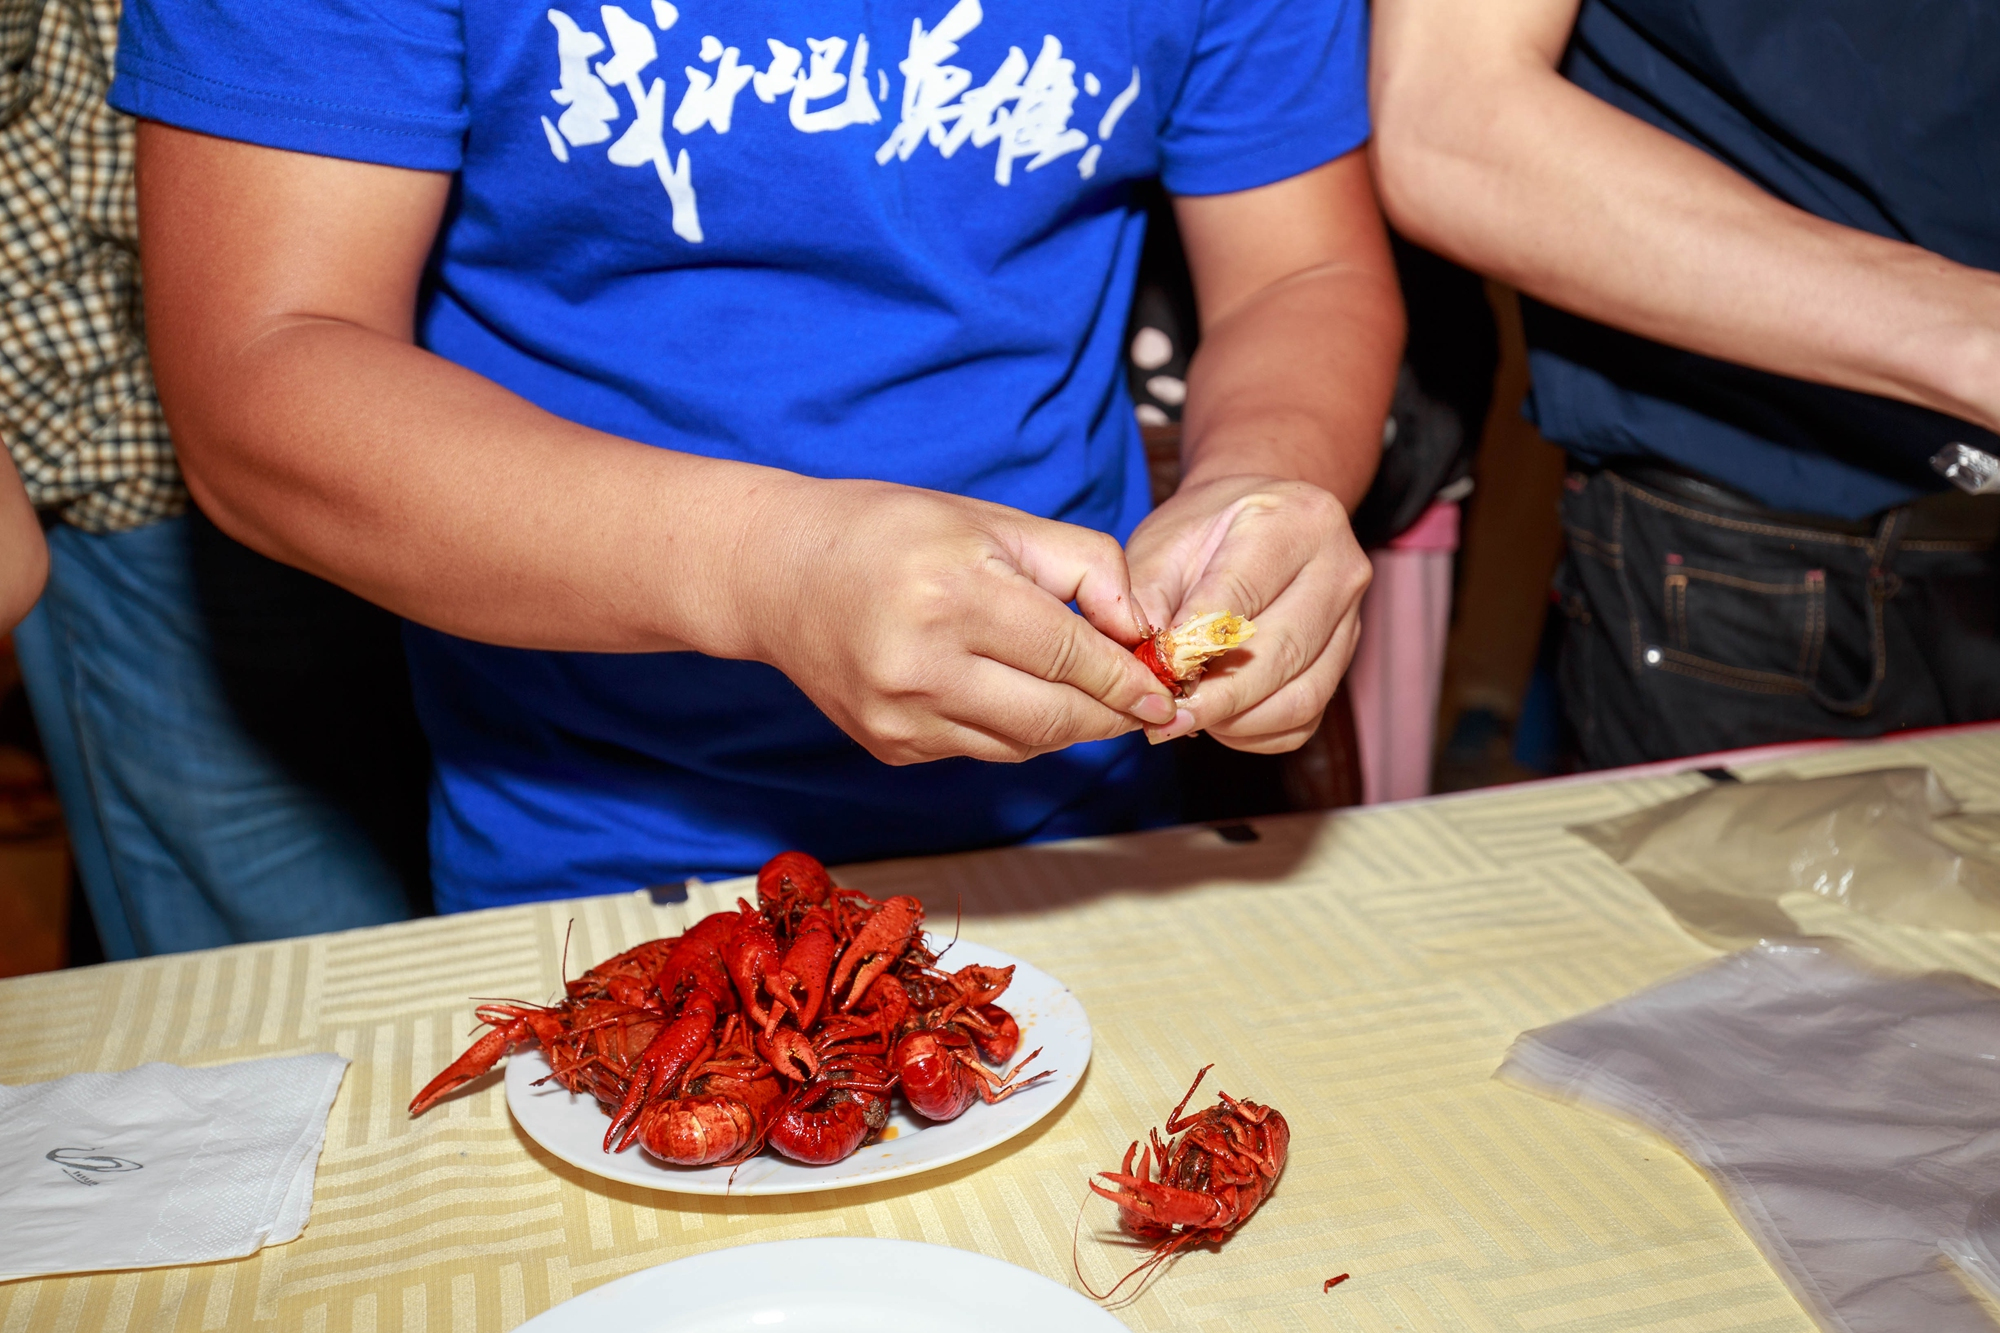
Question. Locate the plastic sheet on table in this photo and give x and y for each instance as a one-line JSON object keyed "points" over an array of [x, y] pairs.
{"points": [[1850, 1118], [1892, 843]]}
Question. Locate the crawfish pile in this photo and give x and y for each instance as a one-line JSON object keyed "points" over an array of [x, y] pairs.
{"points": [[790, 1023]]}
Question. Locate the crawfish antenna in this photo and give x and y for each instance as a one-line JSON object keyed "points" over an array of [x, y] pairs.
{"points": [[1144, 1270], [562, 973], [1164, 1251], [1075, 1260], [957, 920]]}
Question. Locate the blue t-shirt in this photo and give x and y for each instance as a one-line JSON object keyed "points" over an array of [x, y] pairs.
{"points": [[1883, 115], [854, 238]]}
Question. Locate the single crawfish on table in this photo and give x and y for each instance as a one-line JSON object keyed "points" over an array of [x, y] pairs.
{"points": [[1210, 1179], [790, 1023]]}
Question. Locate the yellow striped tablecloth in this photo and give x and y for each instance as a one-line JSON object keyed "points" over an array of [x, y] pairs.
{"points": [[1362, 971]]}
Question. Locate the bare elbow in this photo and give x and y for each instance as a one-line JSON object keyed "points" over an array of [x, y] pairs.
{"points": [[200, 447], [211, 475], [1401, 198], [1409, 156], [204, 406]]}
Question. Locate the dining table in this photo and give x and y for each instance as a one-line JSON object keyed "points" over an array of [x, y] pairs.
{"points": [[1362, 970]]}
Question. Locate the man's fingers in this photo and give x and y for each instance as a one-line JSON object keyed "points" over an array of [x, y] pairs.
{"points": [[1278, 685], [1165, 556], [1075, 564], [1019, 709], [945, 739], [1026, 629], [1293, 635], [991, 712], [1287, 719], [1302, 583], [1264, 547]]}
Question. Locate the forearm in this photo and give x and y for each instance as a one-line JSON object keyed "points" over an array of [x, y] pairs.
{"points": [[1486, 154], [24, 557], [281, 293], [1297, 383], [431, 491], [1301, 331]]}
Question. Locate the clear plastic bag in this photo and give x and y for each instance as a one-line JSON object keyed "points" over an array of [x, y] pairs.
{"points": [[1850, 1118], [1891, 842]]}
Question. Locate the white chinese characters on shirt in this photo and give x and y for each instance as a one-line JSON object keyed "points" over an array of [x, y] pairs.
{"points": [[1023, 111]]}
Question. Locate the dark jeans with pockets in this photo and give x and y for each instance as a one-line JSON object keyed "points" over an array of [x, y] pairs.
{"points": [[1698, 620]]}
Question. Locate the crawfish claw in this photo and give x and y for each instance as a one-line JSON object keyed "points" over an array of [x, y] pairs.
{"points": [[1151, 1208], [481, 1056]]}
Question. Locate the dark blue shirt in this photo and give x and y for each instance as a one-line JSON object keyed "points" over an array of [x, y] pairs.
{"points": [[1883, 115]]}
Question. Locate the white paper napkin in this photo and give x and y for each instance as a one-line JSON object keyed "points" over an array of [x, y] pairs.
{"points": [[160, 1165]]}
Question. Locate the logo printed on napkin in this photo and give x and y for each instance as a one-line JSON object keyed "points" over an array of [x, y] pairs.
{"points": [[75, 1161]]}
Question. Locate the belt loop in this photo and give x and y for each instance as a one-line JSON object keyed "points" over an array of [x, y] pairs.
{"points": [[1882, 585], [1888, 536], [1625, 575], [1883, 553]]}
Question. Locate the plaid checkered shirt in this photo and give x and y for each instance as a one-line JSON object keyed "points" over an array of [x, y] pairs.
{"points": [[77, 407]]}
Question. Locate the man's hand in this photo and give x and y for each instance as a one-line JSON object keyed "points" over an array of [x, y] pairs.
{"points": [[1281, 553], [1302, 328], [927, 625]]}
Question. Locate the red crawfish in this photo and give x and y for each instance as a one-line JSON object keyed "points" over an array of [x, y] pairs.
{"points": [[594, 1037], [593, 1045], [844, 1097], [722, 1112], [829, 1117], [942, 1076], [877, 946], [1210, 1179], [964, 1000]]}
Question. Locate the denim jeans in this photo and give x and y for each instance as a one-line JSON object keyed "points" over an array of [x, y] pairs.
{"points": [[231, 739], [1699, 621]]}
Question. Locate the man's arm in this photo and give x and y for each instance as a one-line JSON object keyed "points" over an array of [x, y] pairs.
{"points": [[280, 298], [1484, 152], [1301, 333], [24, 557]]}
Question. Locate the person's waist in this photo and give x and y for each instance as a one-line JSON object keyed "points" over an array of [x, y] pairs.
{"points": [[1949, 516]]}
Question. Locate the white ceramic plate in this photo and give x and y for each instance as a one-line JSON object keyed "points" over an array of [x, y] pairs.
{"points": [[572, 1126], [833, 1284]]}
